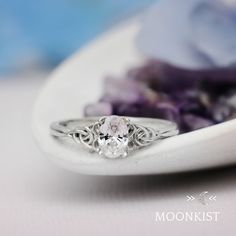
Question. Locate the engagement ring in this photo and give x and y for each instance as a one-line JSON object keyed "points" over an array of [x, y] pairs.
{"points": [[114, 136]]}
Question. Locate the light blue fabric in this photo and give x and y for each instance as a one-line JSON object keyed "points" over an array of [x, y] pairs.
{"points": [[47, 31]]}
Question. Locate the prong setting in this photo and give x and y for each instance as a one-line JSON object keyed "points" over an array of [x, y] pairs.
{"points": [[113, 137]]}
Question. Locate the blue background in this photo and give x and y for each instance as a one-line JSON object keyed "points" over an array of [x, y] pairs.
{"points": [[44, 32]]}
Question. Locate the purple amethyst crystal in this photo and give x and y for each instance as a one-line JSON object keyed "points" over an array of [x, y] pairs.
{"points": [[98, 109], [193, 98], [193, 122]]}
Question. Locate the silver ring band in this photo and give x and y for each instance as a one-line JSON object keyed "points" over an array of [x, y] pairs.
{"points": [[114, 136]]}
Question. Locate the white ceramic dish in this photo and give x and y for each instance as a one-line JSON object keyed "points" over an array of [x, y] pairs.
{"points": [[78, 81]]}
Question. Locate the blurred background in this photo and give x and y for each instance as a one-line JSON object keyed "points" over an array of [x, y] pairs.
{"points": [[39, 35], [39, 198]]}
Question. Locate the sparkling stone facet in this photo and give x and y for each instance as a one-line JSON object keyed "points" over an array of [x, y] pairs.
{"points": [[113, 137]]}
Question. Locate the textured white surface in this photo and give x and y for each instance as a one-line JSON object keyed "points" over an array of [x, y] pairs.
{"points": [[78, 81], [37, 198]]}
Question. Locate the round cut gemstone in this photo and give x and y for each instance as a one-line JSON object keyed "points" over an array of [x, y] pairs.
{"points": [[113, 137]]}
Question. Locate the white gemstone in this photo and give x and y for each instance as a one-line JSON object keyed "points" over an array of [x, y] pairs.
{"points": [[113, 137]]}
